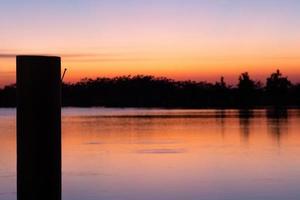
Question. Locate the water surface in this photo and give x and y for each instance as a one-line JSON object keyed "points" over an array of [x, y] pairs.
{"points": [[147, 154]]}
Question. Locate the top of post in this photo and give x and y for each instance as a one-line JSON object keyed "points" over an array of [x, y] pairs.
{"points": [[36, 57]]}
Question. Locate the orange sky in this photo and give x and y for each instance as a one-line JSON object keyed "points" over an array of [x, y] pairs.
{"points": [[199, 40]]}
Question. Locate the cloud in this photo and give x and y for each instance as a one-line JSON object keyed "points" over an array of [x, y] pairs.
{"points": [[85, 57], [13, 55], [80, 55], [104, 59], [5, 55], [6, 77]]}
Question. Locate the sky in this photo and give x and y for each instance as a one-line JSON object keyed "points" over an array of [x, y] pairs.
{"points": [[180, 39]]}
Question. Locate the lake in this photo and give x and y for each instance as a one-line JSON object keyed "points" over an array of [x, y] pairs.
{"points": [[157, 154]]}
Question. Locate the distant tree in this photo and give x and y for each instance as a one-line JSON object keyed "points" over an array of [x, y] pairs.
{"points": [[296, 94], [222, 84], [277, 88], [246, 90], [245, 83], [222, 94], [276, 83], [8, 96], [293, 95], [150, 91]]}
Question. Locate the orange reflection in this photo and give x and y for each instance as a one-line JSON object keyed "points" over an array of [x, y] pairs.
{"points": [[113, 153]]}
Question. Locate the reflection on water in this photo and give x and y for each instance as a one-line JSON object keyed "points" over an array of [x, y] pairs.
{"points": [[245, 123], [277, 123], [138, 154]]}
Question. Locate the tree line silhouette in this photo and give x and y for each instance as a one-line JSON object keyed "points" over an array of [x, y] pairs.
{"points": [[150, 91]]}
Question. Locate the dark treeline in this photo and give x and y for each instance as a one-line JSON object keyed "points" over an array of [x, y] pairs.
{"points": [[149, 91]]}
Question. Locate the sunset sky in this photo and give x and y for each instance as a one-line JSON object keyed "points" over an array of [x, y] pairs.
{"points": [[180, 39]]}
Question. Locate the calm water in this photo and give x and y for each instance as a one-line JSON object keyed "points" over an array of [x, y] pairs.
{"points": [[136, 154]]}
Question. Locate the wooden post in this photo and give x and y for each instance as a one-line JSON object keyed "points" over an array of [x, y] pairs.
{"points": [[38, 128]]}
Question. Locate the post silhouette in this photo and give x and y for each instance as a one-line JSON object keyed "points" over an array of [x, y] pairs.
{"points": [[38, 128]]}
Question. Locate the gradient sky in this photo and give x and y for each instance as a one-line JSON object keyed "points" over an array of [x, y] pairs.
{"points": [[181, 39]]}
